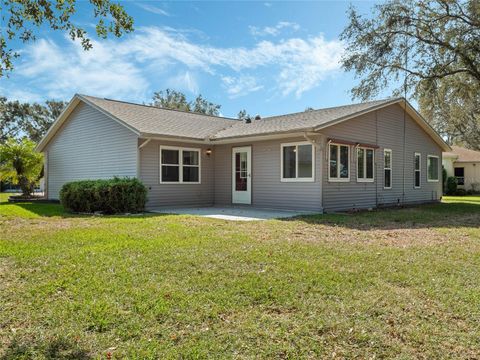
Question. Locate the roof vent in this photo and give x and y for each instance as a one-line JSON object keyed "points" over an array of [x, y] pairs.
{"points": [[248, 120], [258, 117]]}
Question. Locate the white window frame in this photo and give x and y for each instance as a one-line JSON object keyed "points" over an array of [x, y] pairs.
{"points": [[296, 178], [388, 168], [338, 178], [438, 168], [180, 165], [419, 169], [365, 179]]}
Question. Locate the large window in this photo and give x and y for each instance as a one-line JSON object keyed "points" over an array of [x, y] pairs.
{"points": [[297, 162], [365, 164], [432, 168], [417, 170], [387, 169], [179, 165], [338, 162], [460, 175]]}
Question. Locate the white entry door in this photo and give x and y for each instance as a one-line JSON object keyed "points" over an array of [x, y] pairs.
{"points": [[241, 175]]}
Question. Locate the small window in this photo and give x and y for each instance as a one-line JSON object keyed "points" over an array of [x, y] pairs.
{"points": [[297, 162], [387, 169], [365, 164], [417, 170], [338, 162], [459, 173], [178, 165], [432, 168]]}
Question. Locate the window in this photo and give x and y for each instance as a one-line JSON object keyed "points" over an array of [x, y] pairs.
{"points": [[365, 161], [417, 170], [432, 168], [387, 169], [178, 165], [459, 173], [338, 162], [297, 162]]}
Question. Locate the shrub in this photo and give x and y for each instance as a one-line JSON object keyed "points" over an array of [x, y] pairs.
{"points": [[111, 196], [444, 179], [460, 192], [451, 185]]}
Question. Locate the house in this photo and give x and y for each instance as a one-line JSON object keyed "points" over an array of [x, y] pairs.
{"points": [[348, 157], [464, 164]]}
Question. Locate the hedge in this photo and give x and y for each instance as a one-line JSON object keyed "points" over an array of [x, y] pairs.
{"points": [[111, 196]]}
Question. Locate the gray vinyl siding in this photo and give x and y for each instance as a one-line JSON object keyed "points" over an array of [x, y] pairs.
{"points": [[267, 189], [176, 195], [90, 145], [385, 129]]}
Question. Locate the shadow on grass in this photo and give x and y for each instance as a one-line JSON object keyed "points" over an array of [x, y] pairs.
{"points": [[450, 215], [55, 209], [56, 349]]}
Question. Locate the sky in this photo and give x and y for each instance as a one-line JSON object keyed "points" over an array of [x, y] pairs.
{"points": [[266, 57]]}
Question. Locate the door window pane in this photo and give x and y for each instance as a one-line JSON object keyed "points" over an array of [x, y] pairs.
{"points": [[289, 162], [305, 161], [241, 171]]}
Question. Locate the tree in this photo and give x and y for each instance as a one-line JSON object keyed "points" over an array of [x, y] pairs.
{"points": [[176, 100], [243, 115], [420, 47], [24, 119], [20, 19], [20, 164]]}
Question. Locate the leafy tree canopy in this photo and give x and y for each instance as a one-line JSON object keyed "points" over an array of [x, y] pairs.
{"points": [[20, 164], [243, 115], [430, 47], [19, 119], [21, 18], [176, 100]]}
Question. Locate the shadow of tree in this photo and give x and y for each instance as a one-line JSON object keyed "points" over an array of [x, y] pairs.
{"points": [[60, 348], [453, 215]]}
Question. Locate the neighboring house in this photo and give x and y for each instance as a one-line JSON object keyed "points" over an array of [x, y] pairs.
{"points": [[464, 164], [348, 157]]}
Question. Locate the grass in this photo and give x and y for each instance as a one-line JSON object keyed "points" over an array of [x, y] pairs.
{"points": [[401, 283]]}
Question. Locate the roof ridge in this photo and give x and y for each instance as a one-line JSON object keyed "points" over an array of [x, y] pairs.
{"points": [[331, 107], [160, 108]]}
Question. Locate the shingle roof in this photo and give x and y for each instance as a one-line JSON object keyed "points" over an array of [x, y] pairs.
{"points": [[307, 120], [156, 121], [464, 155]]}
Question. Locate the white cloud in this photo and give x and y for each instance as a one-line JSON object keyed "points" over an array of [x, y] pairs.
{"points": [[240, 86], [60, 72], [273, 30], [184, 81], [127, 67], [153, 9], [267, 4]]}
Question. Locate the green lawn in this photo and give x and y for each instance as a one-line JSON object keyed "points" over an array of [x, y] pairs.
{"points": [[401, 283]]}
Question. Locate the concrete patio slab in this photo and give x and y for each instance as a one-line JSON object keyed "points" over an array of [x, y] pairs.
{"points": [[233, 213]]}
